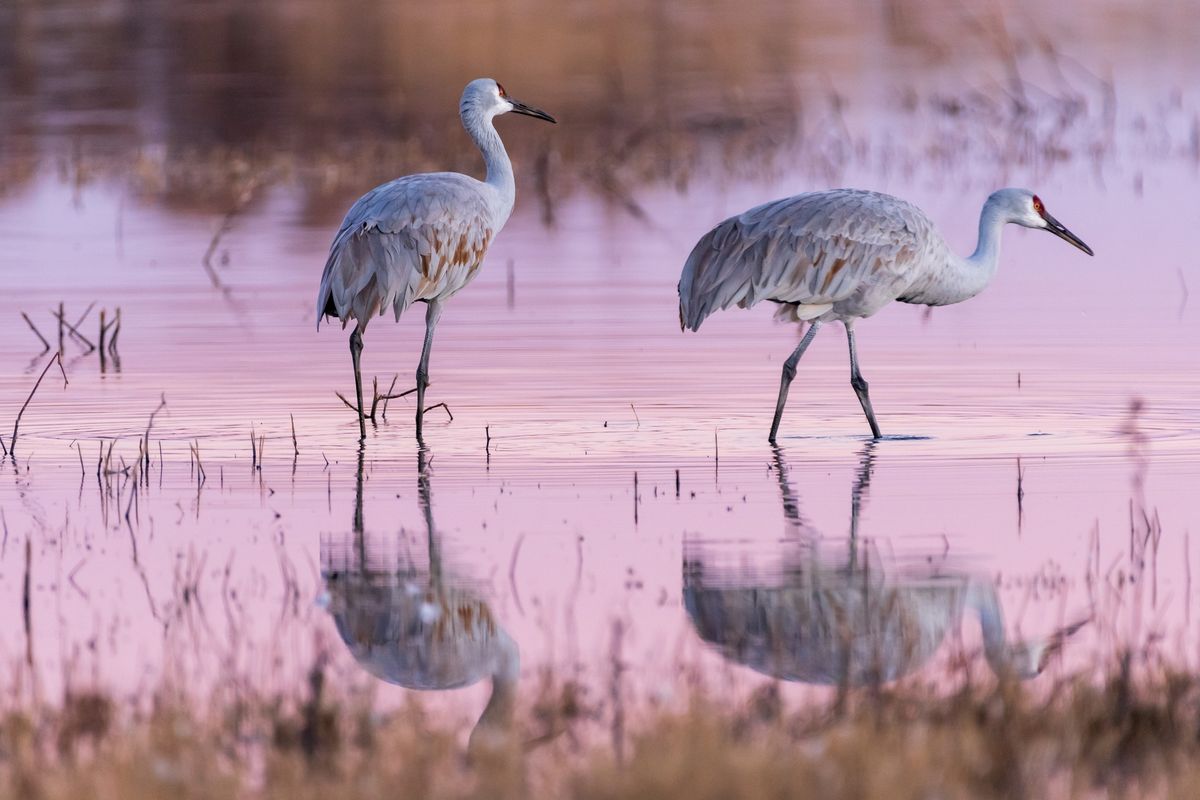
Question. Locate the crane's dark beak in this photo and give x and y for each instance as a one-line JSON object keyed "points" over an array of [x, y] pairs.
{"points": [[1059, 230], [529, 111]]}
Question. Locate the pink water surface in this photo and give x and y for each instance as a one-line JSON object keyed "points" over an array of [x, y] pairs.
{"points": [[578, 405]]}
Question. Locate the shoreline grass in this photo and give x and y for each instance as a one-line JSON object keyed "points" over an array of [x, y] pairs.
{"points": [[1130, 732]]}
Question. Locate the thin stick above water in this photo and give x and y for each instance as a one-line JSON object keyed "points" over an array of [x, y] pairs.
{"points": [[162, 403], [57, 357], [62, 321], [36, 332]]}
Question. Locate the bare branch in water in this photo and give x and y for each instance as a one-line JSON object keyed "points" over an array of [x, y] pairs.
{"points": [[349, 405], [149, 424], [36, 332], [57, 357], [79, 336], [440, 405]]}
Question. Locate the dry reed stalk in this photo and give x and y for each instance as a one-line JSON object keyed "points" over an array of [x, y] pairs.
{"points": [[62, 322], [11, 449], [162, 403], [36, 332]]}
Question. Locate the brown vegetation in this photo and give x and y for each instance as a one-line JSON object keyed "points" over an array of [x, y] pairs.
{"points": [[1115, 736]]}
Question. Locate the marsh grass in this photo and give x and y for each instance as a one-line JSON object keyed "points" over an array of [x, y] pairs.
{"points": [[1131, 732]]}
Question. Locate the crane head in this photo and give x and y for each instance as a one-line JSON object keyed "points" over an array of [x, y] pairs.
{"points": [[489, 97], [1027, 209]]}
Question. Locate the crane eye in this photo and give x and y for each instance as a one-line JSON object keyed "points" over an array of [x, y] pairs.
{"points": [[501, 90], [1038, 207]]}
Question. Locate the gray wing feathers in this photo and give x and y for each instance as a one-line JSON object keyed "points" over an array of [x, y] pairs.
{"points": [[811, 249], [415, 238]]}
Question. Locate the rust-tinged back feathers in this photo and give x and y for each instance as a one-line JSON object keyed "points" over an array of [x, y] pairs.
{"points": [[843, 249], [420, 237]]}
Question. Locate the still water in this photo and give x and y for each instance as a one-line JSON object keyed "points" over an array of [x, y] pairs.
{"points": [[604, 501]]}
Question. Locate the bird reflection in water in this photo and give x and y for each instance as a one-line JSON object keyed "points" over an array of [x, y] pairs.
{"points": [[847, 622], [414, 626]]}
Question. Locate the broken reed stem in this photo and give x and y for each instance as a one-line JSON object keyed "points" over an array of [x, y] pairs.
{"points": [[79, 448], [295, 444], [375, 400], [253, 449], [86, 311], [388, 396], [79, 336], [36, 332], [57, 357], [635, 415], [439, 405], [201, 475], [116, 326], [162, 403]]}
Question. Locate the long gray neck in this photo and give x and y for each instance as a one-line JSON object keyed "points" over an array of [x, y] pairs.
{"points": [[499, 168], [962, 278]]}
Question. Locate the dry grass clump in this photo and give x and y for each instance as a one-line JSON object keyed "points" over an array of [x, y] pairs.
{"points": [[1084, 740], [1079, 738]]}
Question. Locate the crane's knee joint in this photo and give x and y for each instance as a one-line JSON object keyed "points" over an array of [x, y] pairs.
{"points": [[859, 383], [422, 377], [789, 370]]}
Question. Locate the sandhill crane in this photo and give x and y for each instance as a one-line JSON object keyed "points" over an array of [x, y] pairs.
{"points": [[847, 624], [843, 255], [421, 238], [411, 626]]}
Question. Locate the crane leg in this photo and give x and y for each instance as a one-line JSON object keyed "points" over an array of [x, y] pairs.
{"points": [[789, 372], [356, 346], [432, 314], [860, 384]]}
